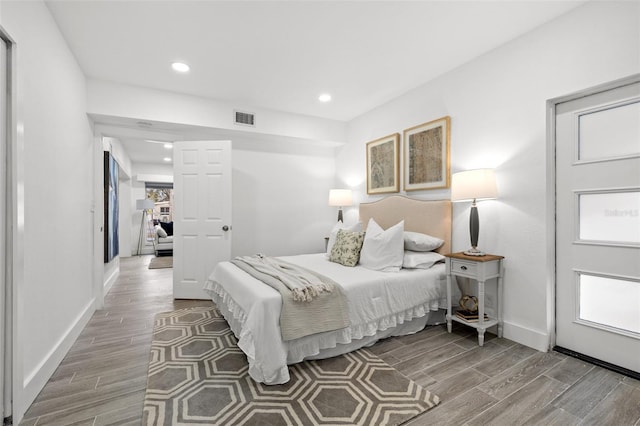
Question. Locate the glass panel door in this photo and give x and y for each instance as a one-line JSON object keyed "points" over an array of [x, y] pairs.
{"points": [[617, 122], [602, 305], [609, 217], [598, 225]]}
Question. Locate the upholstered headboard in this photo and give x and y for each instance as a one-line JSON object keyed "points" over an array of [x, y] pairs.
{"points": [[428, 217]]}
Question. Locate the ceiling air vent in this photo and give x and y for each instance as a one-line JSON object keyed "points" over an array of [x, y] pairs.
{"points": [[244, 118]]}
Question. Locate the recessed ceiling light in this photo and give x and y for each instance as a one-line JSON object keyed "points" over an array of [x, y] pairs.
{"points": [[325, 97], [180, 67], [168, 145], [167, 159]]}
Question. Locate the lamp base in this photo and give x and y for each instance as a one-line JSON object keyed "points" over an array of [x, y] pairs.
{"points": [[473, 251]]}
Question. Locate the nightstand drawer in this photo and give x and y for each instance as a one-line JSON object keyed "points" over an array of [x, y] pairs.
{"points": [[463, 268]]}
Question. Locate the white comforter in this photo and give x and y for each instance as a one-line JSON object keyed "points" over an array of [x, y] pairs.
{"points": [[377, 301]]}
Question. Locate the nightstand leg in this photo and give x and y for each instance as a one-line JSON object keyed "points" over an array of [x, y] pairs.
{"points": [[481, 313], [499, 291], [449, 303]]}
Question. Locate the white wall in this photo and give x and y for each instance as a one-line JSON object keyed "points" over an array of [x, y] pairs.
{"points": [[126, 211], [281, 179], [114, 146], [111, 270], [279, 192], [164, 170], [497, 108], [119, 100], [56, 298], [280, 199]]}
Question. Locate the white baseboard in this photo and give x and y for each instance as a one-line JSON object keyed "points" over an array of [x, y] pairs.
{"points": [[36, 380], [108, 283], [526, 336]]}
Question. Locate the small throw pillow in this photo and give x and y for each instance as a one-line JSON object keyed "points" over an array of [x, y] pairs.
{"points": [[161, 232], [356, 227], [416, 241], [421, 259], [346, 250], [383, 250]]}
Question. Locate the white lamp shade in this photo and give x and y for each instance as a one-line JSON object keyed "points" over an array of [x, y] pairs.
{"points": [[472, 185], [145, 204], [340, 197]]}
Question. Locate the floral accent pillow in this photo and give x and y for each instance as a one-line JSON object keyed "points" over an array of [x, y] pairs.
{"points": [[334, 233], [346, 250]]}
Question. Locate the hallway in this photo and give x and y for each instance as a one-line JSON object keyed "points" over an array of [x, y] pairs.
{"points": [[102, 379]]}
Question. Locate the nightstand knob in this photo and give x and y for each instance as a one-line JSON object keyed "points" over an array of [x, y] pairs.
{"points": [[464, 268]]}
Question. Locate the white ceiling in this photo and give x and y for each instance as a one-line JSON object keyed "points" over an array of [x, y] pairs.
{"points": [[282, 54]]}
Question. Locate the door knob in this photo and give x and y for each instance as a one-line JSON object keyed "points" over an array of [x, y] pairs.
{"points": [[225, 228]]}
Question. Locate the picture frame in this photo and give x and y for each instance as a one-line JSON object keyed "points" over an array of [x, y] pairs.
{"points": [[426, 155], [111, 209], [383, 165]]}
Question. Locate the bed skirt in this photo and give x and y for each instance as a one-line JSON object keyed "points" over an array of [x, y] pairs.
{"points": [[322, 345]]}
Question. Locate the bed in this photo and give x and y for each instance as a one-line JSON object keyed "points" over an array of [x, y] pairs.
{"points": [[380, 304]]}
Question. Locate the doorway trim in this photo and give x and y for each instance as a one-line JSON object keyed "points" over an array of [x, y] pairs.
{"points": [[551, 206], [97, 210], [13, 279]]}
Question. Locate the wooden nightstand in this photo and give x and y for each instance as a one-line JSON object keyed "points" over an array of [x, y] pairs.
{"points": [[479, 268]]}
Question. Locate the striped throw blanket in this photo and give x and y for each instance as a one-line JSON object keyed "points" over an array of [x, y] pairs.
{"points": [[311, 302]]}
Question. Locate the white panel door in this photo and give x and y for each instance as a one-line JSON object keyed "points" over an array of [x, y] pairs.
{"points": [[598, 226], [202, 213]]}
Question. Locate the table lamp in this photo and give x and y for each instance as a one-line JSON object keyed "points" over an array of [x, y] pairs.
{"points": [[340, 198], [474, 185]]}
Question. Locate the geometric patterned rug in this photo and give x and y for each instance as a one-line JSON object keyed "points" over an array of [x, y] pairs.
{"points": [[198, 375]]}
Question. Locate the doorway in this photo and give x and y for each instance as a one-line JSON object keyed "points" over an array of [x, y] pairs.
{"points": [[597, 206], [202, 238]]}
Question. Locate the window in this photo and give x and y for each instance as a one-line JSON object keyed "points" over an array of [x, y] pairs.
{"points": [[162, 196]]}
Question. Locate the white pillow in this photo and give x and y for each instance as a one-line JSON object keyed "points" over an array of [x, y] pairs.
{"points": [[383, 250], [421, 259], [161, 232], [416, 241], [356, 227]]}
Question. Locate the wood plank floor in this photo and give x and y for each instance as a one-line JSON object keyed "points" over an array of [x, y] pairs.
{"points": [[102, 379]]}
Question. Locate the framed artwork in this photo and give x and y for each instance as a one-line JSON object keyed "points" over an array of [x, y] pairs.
{"points": [[426, 155], [111, 233], [383, 165]]}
